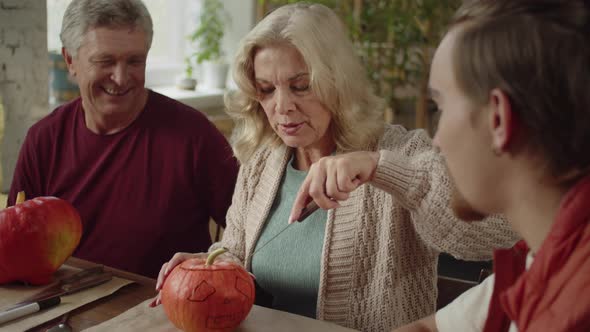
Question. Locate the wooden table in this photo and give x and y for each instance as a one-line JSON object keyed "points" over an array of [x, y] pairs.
{"points": [[110, 306], [143, 288]]}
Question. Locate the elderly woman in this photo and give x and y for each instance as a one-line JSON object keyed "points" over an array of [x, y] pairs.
{"points": [[370, 262]]}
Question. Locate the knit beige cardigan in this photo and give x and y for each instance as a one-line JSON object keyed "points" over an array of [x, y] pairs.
{"points": [[379, 260]]}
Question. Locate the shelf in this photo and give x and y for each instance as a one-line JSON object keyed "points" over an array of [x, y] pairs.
{"points": [[209, 102]]}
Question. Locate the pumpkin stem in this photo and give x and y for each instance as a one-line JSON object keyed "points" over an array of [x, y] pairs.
{"points": [[20, 197], [212, 256]]}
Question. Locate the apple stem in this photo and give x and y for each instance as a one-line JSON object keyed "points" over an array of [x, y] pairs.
{"points": [[212, 256], [20, 197]]}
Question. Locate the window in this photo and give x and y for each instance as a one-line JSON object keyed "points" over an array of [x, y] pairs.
{"points": [[172, 19]]}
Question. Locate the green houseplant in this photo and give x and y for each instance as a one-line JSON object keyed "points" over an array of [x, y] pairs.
{"points": [[187, 81], [207, 38]]}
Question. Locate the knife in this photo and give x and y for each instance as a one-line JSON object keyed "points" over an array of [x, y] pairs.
{"points": [[81, 280], [308, 210]]}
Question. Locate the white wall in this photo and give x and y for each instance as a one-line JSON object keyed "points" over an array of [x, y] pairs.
{"points": [[23, 75], [243, 13]]}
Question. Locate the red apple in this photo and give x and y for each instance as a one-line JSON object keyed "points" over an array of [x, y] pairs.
{"points": [[36, 237]]}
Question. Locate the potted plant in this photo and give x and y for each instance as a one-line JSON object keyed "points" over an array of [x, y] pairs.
{"points": [[187, 81], [207, 37]]}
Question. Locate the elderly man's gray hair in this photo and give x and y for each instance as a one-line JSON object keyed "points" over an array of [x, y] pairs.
{"points": [[83, 15]]}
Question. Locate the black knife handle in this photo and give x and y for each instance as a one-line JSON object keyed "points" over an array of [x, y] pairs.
{"points": [[82, 274], [308, 210], [88, 282]]}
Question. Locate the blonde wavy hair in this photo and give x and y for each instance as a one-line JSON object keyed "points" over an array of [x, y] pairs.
{"points": [[337, 78]]}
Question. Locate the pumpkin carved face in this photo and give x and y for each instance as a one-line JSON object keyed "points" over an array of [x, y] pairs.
{"points": [[36, 237], [199, 298]]}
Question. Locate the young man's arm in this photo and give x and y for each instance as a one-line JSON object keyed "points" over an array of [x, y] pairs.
{"points": [[426, 324], [467, 313]]}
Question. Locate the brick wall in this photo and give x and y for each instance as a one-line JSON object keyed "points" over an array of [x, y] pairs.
{"points": [[23, 75]]}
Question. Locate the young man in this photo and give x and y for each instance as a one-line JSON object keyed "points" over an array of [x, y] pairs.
{"points": [[145, 172], [511, 79]]}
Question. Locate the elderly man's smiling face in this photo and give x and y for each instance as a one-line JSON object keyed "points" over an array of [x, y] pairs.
{"points": [[109, 68]]}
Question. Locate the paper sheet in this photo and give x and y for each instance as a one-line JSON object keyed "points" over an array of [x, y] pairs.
{"points": [[13, 293]]}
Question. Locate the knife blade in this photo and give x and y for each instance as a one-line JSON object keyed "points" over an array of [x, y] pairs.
{"points": [[81, 280]]}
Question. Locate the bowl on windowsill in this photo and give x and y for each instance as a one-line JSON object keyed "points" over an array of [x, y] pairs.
{"points": [[186, 83]]}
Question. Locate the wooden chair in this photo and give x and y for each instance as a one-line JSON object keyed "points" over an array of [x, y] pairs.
{"points": [[450, 288]]}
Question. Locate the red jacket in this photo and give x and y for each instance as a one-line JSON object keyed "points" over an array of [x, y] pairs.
{"points": [[554, 294]]}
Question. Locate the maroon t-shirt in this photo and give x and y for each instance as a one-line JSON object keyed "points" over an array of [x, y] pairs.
{"points": [[144, 193]]}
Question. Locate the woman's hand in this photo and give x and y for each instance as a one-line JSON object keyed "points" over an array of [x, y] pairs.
{"points": [[178, 258], [332, 179]]}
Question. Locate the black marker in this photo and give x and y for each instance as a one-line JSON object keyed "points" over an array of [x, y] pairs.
{"points": [[27, 309]]}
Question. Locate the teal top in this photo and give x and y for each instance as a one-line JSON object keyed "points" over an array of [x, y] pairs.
{"points": [[287, 266]]}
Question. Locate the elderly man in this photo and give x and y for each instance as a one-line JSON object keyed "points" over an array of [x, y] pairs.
{"points": [[145, 172]]}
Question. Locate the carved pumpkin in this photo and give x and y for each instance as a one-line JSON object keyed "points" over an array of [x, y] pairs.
{"points": [[36, 237], [203, 296]]}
